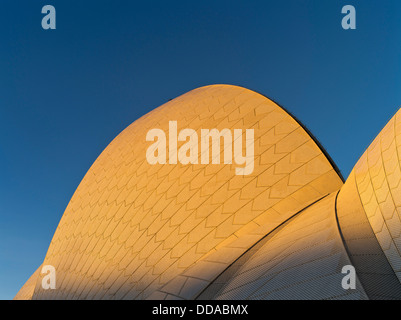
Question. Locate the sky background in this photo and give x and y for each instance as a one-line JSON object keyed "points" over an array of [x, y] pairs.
{"points": [[66, 93]]}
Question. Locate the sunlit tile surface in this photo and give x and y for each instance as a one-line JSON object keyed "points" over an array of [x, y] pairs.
{"points": [[171, 231]]}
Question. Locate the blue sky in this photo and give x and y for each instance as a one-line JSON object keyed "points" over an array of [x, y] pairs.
{"points": [[66, 93]]}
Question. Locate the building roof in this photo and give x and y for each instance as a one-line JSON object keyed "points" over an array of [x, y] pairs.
{"points": [[134, 230]]}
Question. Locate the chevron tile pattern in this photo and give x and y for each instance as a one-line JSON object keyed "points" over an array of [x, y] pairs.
{"points": [[132, 227], [373, 269], [378, 179], [303, 259], [133, 230]]}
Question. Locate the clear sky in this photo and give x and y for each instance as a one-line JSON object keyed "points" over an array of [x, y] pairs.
{"points": [[66, 93]]}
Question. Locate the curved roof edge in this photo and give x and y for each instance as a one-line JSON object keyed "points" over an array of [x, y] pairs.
{"points": [[318, 143]]}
